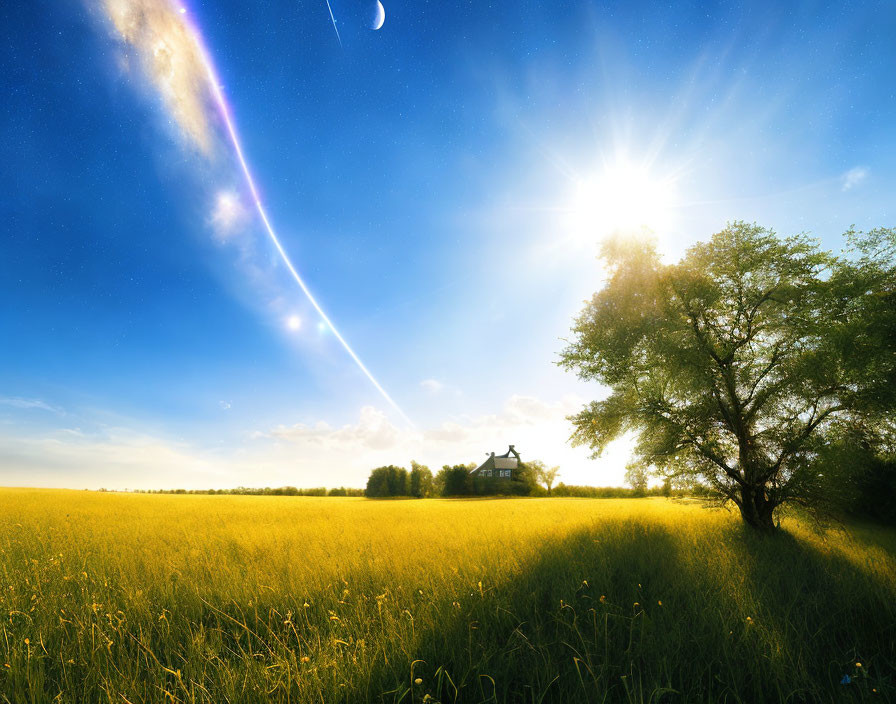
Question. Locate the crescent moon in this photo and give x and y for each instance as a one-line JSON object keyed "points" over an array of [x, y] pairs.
{"points": [[379, 16]]}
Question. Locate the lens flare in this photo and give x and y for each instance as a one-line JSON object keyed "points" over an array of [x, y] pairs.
{"points": [[227, 117]]}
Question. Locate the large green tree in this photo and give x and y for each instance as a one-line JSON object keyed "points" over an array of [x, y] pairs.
{"points": [[863, 298], [731, 364]]}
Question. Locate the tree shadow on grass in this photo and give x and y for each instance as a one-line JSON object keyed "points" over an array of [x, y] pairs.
{"points": [[833, 615], [634, 612]]}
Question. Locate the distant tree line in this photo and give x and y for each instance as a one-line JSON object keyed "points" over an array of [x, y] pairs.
{"points": [[451, 480], [633, 492], [266, 491], [458, 480], [398, 481], [531, 478]]}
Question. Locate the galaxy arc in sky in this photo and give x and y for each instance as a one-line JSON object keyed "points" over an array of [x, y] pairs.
{"points": [[227, 117]]}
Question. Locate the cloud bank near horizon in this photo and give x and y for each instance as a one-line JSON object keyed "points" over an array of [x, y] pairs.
{"points": [[315, 454]]}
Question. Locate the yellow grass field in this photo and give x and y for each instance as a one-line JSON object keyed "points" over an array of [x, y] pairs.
{"points": [[158, 598]]}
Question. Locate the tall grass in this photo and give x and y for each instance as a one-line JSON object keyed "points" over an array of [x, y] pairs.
{"points": [[149, 598]]}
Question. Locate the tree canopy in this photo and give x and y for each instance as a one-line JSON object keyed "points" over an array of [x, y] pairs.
{"points": [[419, 480], [453, 480], [542, 474], [732, 364], [388, 481]]}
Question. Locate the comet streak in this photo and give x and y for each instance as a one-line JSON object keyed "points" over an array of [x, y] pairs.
{"points": [[338, 38]]}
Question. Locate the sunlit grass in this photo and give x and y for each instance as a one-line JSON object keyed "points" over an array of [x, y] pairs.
{"points": [[145, 598]]}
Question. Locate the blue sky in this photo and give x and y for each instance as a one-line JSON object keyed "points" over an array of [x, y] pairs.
{"points": [[428, 182]]}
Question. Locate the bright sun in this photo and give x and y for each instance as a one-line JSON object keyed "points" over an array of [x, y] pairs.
{"points": [[623, 198]]}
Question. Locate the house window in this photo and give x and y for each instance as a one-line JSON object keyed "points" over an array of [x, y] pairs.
{"points": [[487, 472]]}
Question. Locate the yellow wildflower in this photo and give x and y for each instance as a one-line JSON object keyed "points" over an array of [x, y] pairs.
{"points": [[418, 681]]}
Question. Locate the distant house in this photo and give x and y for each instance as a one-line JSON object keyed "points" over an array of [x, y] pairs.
{"points": [[504, 466]]}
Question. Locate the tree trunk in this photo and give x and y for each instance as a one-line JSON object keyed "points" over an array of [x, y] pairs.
{"points": [[755, 507], [756, 510]]}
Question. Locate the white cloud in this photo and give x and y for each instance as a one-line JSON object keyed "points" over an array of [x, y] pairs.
{"points": [[114, 457], [30, 403], [539, 429], [853, 178], [433, 386], [373, 431]]}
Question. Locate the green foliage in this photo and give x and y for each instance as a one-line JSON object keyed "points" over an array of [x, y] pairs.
{"points": [[266, 601], [388, 481], [636, 477], [623, 492], [861, 475], [256, 491], [593, 492], [875, 486], [863, 301], [522, 483], [454, 481], [733, 364], [542, 474], [666, 488], [420, 481], [526, 478], [345, 491]]}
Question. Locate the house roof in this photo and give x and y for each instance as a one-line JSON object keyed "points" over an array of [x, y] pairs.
{"points": [[509, 460]]}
